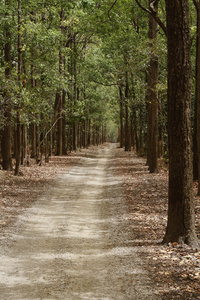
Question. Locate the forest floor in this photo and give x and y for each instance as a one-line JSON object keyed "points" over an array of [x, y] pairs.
{"points": [[131, 226]]}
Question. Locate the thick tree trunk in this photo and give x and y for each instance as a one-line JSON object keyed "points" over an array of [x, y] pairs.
{"points": [[195, 150], [181, 223], [152, 97], [197, 106]]}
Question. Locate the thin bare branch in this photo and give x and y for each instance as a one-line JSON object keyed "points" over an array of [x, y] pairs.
{"points": [[156, 18], [50, 129], [111, 8]]}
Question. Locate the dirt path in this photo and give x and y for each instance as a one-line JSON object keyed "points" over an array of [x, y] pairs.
{"points": [[74, 243]]}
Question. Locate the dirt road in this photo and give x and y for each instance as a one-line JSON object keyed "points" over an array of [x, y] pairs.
{"points": [[75, 242]]}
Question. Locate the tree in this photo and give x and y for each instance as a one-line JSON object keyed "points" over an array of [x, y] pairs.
{"points": [[152, 94], [181, 223], [18, 122], [121, 117], [196, 141], [6, 140]]}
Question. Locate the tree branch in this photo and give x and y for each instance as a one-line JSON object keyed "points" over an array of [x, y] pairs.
{"points": [[151, 11], [111, 8], [50, 130]]}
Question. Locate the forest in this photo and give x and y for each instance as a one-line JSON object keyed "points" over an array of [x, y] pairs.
{"points": [[83, 72]]}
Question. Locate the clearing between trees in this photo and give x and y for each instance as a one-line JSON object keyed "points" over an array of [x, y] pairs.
{"points": [[89, 226]]}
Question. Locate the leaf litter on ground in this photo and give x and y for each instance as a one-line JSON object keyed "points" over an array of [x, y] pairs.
{"points": [[174, 268]]}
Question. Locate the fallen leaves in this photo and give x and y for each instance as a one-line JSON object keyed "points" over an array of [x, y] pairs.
{"points": [[174, 268], [17, 193]]}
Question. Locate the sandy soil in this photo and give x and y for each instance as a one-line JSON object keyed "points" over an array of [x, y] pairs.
{"points": [[73, 243]]}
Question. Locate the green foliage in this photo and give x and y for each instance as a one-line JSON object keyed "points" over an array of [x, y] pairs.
{"points": [[102, 40]]}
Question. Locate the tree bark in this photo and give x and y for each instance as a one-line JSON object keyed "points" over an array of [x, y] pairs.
{"points": [[22, 144], [60, 126], [6, 140], [197, 100], [121, 117], [160, 132], [57, 116], [181, 223], [33, 139], [127, 125], [89, 133], [63, 124], [18, 127], [18, 144], [152, 96]]}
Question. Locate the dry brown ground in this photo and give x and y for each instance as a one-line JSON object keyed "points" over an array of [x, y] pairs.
{"points": [[18, 193], [175, 268]]}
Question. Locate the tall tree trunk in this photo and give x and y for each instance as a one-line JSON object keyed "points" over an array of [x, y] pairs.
{"points": [[18, 143], [160, 133], [61, 95], [121, 117], [75, 126], [6, 140], [63, 124], [127, 125], [89, 133], [60, 126], [18, 128], [181, 223], [33, 124], [33, 139], [57, 116], [22, 144], [135, 129], [85, 134], [152, 95], [195, 149], [197, 96], [38, 143], [197, 104]]}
